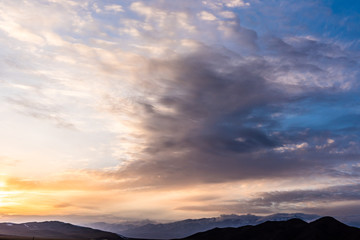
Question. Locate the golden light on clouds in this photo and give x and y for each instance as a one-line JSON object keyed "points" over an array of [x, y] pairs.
{"points": [[3, 194], [173, 109]]}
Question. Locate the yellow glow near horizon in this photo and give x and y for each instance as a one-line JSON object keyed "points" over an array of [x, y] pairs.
{"points": [[8, 197], [3, 194]]}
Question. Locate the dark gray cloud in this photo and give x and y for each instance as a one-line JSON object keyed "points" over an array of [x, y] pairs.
{"points": [[257, 105], [296, 200], [229, 118], [334, 193]]}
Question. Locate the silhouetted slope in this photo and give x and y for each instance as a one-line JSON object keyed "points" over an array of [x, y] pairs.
{"points": [[55, 229], [326, 228], [188, 227]]}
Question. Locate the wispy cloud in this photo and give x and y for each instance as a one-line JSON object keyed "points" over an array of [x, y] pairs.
{"points": [[166, 96]]}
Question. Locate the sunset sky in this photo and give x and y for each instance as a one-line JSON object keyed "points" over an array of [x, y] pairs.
{"points": [[117, 110]]}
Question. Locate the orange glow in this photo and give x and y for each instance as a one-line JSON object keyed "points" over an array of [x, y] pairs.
{"points": [[95, 194]]}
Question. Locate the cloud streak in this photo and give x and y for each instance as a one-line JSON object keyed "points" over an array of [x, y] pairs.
{"points": [[170, 96]]}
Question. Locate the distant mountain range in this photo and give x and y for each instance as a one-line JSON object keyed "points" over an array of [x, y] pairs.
{"points": [[181, 229], [54, 229], [326, 228]]}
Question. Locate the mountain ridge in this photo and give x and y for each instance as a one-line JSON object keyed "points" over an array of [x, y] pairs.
{"points": [[184, 228], [56, 230], [325, 228]]}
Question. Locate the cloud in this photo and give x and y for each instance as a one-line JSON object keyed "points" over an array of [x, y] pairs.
{"points": [[236, 3], [222, 98], [172, 95], [243, 37], [348, 192], [206, 16], [114, 7], [6, 161], [320, 201], [312, 62], [232, 112], [41, 111], [227, 14]]}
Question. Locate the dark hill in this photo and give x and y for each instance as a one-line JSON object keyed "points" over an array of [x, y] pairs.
{"points": [[330, 229], [54, 229], [184, 228], [326, 228]]}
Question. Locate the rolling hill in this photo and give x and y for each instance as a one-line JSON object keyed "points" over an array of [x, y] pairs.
{"points": [[54, 230], [326, 228], [184, 228]]}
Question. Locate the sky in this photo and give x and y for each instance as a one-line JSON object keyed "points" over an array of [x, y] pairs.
{"points": [[119, 110]]}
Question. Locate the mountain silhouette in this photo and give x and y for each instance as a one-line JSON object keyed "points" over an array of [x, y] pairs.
{"points": [[184, 228], [55, 229], [326, 228]]}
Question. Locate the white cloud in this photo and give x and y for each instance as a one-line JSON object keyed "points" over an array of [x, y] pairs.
{"points": [[20, 33], [114, 7], [227, 14], [236, 3], [215, 5], [292, 147], [329, 142], [54, 39], [142, 9], [206, 16], [96, 8], [240, 139]]}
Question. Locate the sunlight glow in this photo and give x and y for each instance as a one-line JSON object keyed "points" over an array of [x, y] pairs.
{"points": [[168, 110]]}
